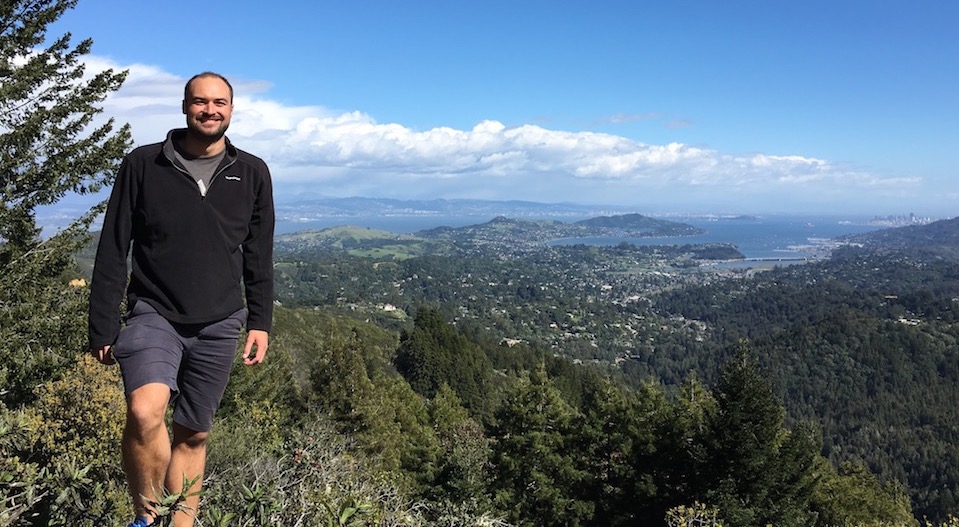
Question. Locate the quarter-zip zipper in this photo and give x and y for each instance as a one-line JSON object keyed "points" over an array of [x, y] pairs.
{"points": [[217, 173], [219, 170]]}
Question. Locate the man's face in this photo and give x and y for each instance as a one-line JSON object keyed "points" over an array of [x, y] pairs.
{"points": [[208, 108]]}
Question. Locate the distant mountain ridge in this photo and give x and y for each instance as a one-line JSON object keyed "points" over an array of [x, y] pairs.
{"points": [[314, 208]]}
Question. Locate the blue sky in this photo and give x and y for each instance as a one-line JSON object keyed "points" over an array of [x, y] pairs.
{"points": [[681, 106]]}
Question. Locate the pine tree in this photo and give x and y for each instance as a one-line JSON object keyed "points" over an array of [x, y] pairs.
{"points": [[49, 146], [756, 471], [741, 445], [537, 479], [616, 445]]}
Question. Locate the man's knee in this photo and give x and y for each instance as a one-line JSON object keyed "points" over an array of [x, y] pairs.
{"points": [[146, 408]]}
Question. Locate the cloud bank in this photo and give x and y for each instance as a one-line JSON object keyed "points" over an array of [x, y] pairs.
{"points": [[317, 151]]}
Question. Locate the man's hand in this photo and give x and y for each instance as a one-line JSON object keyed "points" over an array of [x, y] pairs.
{"points": [[258, 339], [104, 355]]}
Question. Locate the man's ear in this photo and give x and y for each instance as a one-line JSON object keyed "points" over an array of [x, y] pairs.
{"points": [[183, 106]]}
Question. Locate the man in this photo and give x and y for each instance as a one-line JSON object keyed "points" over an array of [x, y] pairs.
{"points": [[198, 215]]}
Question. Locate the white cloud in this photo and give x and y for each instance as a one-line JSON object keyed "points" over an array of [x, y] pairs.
{"points": [[350, 153]]}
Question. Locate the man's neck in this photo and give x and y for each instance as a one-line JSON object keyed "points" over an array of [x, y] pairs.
{"points": [[200, 147]]}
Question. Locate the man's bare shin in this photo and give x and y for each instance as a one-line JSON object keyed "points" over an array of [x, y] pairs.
{"points": [[187, 463]]}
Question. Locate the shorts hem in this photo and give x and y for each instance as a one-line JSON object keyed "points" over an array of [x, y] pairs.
{"points": [[127, 390], [196, 427]]}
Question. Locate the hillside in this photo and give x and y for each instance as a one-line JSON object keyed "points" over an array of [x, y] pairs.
{"points": [[358, 241], [465, 424], [862, 345], [637, 225], [503, 232], [940, 238]]}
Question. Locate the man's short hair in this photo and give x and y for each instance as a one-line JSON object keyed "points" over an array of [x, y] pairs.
{"points": [[186, 87]]}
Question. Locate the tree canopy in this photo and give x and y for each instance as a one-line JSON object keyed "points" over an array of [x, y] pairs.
{"points": [[51, 144]]}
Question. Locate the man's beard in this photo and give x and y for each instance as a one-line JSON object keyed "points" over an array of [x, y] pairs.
{"points": [[194, 129]]}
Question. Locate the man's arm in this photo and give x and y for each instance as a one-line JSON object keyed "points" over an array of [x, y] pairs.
{"points": [[110, 267], [258, 272]]}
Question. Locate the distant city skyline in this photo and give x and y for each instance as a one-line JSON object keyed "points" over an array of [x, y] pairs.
{"points": [[740, 106]]}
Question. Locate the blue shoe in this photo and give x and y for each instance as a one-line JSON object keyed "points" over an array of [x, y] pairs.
{"points": [[140, 522]]}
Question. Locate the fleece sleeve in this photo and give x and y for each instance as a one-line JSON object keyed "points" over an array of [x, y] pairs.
{"points": [[110, 267], [258, 256]]}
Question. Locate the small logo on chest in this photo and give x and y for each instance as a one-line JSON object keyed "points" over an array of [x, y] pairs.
{"points": [[232, 178]]}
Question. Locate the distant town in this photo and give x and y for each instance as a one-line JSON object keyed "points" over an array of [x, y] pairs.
{"points": [[901, 220]]}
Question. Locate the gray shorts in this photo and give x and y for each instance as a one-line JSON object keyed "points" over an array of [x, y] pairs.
{"points": [[194, 360]]}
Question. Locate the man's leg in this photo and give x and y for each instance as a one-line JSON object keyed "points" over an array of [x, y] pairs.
{"points": [[146, 445], [187, 461], [204, 373]]}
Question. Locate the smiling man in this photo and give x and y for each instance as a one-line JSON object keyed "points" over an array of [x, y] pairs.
{"points": [[198, 215]]}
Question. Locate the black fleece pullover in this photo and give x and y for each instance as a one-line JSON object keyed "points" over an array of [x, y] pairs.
{"points": [[190, 252]]}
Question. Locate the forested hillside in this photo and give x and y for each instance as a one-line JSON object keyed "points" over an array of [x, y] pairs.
{"points": [[866, 345], [862, 346], [938, 239]]}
